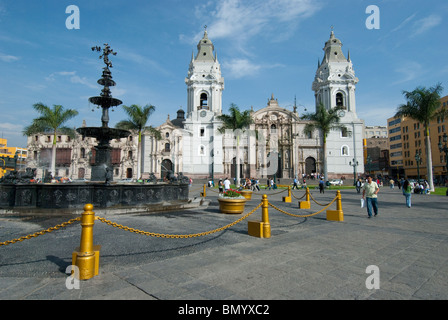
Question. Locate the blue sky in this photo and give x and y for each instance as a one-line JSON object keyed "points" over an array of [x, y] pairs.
{"points": [[264, 46]]}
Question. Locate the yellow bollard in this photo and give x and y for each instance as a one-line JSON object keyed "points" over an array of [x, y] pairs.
{"points": [[338, 214], [203, 194], [261, 229], [87, 256], [265, 217], [305, 204], [288, 198]]}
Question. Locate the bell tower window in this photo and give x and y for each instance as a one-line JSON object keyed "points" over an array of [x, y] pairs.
{"points": [[203, 101], [339, 99]]}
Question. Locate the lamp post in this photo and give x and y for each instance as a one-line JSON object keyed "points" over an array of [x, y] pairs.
{"points": [[444, 149], [354, 164], [418, 159]]}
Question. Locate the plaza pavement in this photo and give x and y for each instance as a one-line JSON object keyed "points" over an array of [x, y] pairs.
{"points": [[305, 258]]}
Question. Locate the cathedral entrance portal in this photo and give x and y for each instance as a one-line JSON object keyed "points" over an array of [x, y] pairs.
{"points": [[310, 166], [166, 166], [274, 158]]}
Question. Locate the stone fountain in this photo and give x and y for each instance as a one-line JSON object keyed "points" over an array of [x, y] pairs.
{"points": [[103, 165], [17, 193]]}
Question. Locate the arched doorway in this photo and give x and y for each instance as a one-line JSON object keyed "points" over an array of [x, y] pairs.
{"points": [[310, 165], [81, 173], [165, 167], [275, 159]]}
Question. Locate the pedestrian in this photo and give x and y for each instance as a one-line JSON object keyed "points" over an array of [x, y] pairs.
{"points": [[358, 185], [321, 186], [295, 184], [407, 192], [369, 192], [391, 182], [268, 184], [221, 186], [226, 184]]}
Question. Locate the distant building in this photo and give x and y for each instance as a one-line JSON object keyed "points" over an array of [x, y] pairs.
{"points": [[74, 157], [375, 131], [11, 157], [407, 138]]}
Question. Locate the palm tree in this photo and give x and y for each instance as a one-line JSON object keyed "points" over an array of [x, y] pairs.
{"points": [[323, 120], [238, 122], [422, 105], [138, 117], [51, 120]]}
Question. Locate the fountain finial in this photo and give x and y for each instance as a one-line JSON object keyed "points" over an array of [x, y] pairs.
{"points": [[106, 52]]}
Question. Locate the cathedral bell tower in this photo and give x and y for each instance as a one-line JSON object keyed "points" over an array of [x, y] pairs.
{"points": [[202, 142], [335, 85], [204, 81]]}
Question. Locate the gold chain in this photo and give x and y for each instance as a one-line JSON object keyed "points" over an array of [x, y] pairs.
{"points": [[302, 216], [40, 232], [318, 202], [296, 197], [177, 236]]}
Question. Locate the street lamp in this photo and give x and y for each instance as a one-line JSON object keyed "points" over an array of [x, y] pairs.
{"points": [[418, 159], [444, 149], [354, 165]]}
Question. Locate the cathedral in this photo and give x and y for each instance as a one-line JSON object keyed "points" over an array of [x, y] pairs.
{"points": [[191, 143], [275, 145]]}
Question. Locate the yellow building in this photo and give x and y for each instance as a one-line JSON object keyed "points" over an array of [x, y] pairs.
{"points": [[407, 139], [7, 155]]}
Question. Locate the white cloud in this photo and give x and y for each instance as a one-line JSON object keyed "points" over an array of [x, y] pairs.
{"points": [[74, 78], [408, 71], [8, 58], [425, 24], [240, 20], [405, 22], [239, 68]]}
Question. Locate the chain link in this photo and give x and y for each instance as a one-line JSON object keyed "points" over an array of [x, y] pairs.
{"points": [[177, 236], [300, 215], [318, 202], [300, 197], [57, 227]]}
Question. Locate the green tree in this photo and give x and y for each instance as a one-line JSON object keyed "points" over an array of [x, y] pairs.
{"points": [[238, 122], [323, 120], [422, 105], [138, 116], [51, 121]]}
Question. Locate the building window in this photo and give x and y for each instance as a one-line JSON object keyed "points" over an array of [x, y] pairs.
{"points": [[344, 132], [344, 150], [203, 101], [202, 150], [202, 132], [339, 99], [167, 147]]}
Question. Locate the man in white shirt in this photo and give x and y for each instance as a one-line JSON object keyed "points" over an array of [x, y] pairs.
{"points": [[370, 190], [226, 184]]}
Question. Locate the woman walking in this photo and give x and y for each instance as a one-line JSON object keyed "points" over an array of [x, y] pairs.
{"points": [[407, 190]]}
